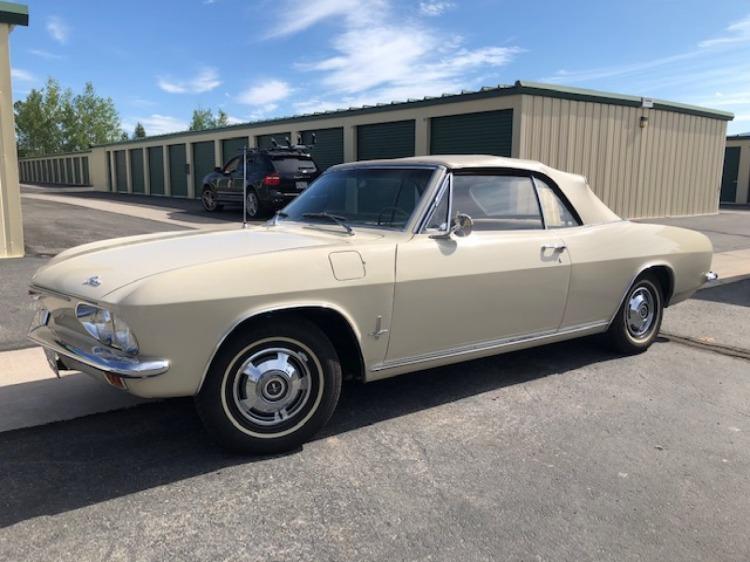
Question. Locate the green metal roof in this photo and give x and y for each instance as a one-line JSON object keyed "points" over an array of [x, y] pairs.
{"points": [[14, 14], [741, 136], [501, 90]]}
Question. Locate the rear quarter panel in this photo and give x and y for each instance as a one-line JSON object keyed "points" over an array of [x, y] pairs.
{"points": [[607, 258]]}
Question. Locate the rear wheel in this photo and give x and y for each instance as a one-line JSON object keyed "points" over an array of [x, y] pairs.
{"points": [[253, 206], [210, 200], [271, 388], [637, 322]]}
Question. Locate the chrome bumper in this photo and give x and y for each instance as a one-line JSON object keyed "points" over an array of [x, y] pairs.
{"points": [[710, 276], [96, 359]]}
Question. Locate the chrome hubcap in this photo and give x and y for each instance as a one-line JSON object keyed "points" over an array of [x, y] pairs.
{"points": [[273, 385], [208, 198], [640, 312]]}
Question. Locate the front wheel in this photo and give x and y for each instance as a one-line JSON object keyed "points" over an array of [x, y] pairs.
{"points": [[271, 388], [638, 320], [210, 200]]}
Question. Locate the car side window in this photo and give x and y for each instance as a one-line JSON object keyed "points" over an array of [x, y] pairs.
{"points": [[556, 212], [439, 218], [497, 202], [231, 166]]}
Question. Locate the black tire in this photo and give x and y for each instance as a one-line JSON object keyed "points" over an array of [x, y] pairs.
{"points": [[209, 200], [223, 402], [644, 298], [253, 210]]}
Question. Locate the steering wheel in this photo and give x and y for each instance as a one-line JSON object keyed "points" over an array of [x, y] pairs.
{"points": [[394, 211]]}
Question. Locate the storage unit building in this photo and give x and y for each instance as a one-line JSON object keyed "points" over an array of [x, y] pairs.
{"points": [[644, 158], [735, 179]]}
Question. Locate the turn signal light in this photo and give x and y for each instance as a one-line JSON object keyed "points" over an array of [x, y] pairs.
{"points": [[272, 180]]}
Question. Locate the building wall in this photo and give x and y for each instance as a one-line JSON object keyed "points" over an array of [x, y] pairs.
{"points": [[743, 177], [421, 116], [670, 167]]}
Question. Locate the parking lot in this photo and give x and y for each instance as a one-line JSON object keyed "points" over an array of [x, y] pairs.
{"points": [[565, 452]]}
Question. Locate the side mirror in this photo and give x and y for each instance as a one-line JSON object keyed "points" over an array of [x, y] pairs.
{"points": [[462, 226]]}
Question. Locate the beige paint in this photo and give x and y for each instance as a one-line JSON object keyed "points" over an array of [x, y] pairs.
{"points": [[440, 301], [670, 167], [11, 222], [743, 176]]}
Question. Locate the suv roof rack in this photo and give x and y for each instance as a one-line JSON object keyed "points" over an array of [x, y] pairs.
{"points": [[288, 148]]}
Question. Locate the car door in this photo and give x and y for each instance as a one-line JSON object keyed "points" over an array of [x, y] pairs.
{"points": [[508, 279], [224, 183]]}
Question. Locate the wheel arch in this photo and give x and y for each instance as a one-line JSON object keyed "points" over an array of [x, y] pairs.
{"points": [[335, 323], [664, 273]]}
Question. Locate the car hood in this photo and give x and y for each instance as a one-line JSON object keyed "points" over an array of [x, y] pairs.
{"points": [[121, 261]]}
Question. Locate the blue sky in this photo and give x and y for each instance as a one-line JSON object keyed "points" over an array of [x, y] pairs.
{"points": [[161, 59]]}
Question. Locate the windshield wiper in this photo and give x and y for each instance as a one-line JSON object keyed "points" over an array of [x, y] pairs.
{"points": [[333, 218]]}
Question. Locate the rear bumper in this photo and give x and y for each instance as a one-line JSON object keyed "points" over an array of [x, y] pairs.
{"points": [[94, 358]]}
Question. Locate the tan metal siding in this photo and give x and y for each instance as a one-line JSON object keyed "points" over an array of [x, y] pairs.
{"points": [[670, 167]]}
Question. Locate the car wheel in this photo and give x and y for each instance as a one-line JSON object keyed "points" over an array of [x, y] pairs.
{"points": [[209, 200], [638, 320], [271, 388], [253, 207]]}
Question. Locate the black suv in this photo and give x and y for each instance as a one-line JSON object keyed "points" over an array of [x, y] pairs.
{"points": [[275, 176]]}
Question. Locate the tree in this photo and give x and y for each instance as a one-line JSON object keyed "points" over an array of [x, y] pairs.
{"points": [[204, 119], [139, 132], [53, 120]]}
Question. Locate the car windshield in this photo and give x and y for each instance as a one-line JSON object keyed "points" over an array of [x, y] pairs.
{"points": [[362, 196]]}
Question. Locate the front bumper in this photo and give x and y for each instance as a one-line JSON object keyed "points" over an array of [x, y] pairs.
{"points": [[94, 358]]}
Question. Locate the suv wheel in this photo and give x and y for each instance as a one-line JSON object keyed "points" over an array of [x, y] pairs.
{"points": [[209, 200], [253, 206]]}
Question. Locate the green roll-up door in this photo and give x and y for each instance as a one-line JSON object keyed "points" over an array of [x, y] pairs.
{"points": [[328, 149], [264, 141], [177, 175], [385, 140], [156, 169], [77, 170], [231, 148], [730, 174], [109, 171], [136, 170], [487, 132], [85, 170], [121, 178], [39, 171], [203, 163]]}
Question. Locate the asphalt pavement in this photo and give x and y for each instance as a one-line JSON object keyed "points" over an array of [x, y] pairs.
{"points": [[565, 452]]}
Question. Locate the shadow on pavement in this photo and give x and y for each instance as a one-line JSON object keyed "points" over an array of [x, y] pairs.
{"points": [[737, 293], [64, 466]]}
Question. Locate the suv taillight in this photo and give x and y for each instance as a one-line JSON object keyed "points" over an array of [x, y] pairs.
{"points": [[272, 180]]}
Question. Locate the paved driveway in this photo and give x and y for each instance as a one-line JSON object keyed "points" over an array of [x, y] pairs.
{"points": [[559, 453]]}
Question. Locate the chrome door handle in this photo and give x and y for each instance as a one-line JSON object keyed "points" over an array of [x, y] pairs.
{"points": [[557, 247]]}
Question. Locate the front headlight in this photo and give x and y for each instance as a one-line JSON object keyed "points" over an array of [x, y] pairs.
{"points": [[103, 326]]}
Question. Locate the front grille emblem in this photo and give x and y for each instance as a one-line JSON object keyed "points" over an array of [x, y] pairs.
{"points": [[94, 281]]}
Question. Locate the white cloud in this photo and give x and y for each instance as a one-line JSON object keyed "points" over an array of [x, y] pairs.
{"points": [[232, 120], [156, 124], [435, 8], [377, 60], [738, 32], [206, 80], [58, 29], [45, 54], [266, 94], [358, 12], [22, 75]]}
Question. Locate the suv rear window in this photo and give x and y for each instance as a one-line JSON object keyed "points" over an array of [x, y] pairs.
{"points": [[291, 165]]}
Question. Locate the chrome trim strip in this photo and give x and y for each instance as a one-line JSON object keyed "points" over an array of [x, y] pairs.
{"points": [[35, 289], [487, 346], [99, 357]]}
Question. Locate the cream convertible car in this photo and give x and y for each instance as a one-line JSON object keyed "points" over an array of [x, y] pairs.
{"points": [[379, 268]]}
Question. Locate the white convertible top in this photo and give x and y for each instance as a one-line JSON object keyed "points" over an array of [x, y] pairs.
{"points": [[589, 207]]}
